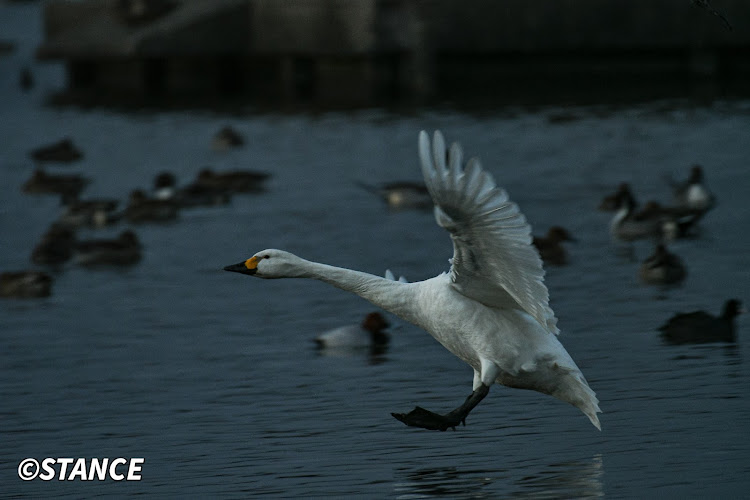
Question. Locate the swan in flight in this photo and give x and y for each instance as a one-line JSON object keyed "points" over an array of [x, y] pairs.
{"points": [[491, 309]]}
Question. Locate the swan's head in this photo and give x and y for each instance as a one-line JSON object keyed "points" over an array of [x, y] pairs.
{"points": [[270, 264]]}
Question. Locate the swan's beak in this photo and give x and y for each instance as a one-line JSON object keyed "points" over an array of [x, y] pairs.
{"points": [[250, 266]]}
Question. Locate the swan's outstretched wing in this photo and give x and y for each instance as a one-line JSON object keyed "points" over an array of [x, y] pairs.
{"points": [[493, 261]]}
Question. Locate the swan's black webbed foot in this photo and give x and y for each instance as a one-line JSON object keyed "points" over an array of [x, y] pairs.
{"points": [[419, 417]]}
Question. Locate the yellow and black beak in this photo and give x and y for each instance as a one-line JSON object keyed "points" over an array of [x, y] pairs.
{"points": [[250, 266]]}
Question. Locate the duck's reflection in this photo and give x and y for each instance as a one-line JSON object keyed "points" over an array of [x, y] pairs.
{"points": [[374, 355], [576, 479]]}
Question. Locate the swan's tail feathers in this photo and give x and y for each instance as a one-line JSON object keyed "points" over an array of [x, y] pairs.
{"points": [[590, 410], [587, 402], [576, 391]]}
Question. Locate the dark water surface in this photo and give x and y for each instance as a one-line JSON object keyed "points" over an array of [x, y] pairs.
{"points": [[213, 379]]}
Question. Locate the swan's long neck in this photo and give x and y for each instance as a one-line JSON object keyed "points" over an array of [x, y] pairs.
{"points": [[393, 296]]}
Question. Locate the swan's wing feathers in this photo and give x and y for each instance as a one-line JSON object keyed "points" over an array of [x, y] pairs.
{"points": [[493, 259]]}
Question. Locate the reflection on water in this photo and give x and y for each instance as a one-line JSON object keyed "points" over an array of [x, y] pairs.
{"points": [[448, 482], [565, 480], [374, 355], [580, 479]]}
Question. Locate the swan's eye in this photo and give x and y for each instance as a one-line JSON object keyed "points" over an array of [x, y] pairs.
{"points": [[266, 257]]}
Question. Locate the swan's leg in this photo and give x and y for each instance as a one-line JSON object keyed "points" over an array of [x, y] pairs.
{"points": [[419, 417]]}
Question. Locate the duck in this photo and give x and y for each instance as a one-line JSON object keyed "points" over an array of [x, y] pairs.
{"points": [[692, 195], [676, 222], [25, 284], [624, 226], [142, 209], [700, 327], [165, 186], [653, 221], [95, 212], [662, 267], [402, 194], [121, 251], [62, 151], [369, 333], [550, 246], [67, 186], [490, 309], [227, 138], [651, 209], [56, 246], [192, 195], [236, 181]]}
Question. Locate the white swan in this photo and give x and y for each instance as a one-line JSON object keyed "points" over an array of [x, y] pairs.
{"points": [[491, 310]]}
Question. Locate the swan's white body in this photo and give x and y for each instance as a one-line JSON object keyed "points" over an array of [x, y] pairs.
{"points": [[491, 310]]}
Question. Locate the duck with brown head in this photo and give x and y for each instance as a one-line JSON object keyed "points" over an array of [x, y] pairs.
{"points": [[550, 246], [369, 333]]}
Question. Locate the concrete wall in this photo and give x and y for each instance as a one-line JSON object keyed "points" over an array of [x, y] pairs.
{"points": [[349, 27], [312, 27], [589, 25]]}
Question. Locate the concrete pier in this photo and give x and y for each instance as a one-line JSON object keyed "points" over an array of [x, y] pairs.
{"points": [[375, 51]]}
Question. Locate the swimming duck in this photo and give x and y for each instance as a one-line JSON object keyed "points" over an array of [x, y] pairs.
{"points": [[25, 284], [227, 138], [370, 333], [625, 226], [141, 209], [402, 194], [192, 195], [237, 181], [68, 186], [92, 213], [654, 221], [700, 327], [550, 246], [56, 246], [676, 222], [612, 202], [165, 186], [662, 268], [121, 251], [491, 309], [693, 194], [63, 151]]}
